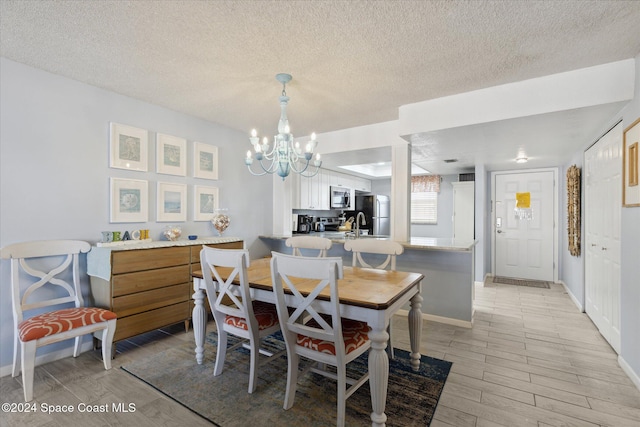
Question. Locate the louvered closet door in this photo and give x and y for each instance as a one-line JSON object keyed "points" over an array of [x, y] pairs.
{"points": [[603, 199]]}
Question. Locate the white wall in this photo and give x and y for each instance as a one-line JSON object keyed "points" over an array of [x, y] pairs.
{"points": [[54, 174], [572, 268], [444, 227], [630, 272]]}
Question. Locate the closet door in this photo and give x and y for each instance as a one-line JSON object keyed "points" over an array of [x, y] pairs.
{"points": [[603, 200]]}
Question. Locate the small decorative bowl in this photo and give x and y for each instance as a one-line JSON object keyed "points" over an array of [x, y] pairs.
{"points": [[193, 237]]}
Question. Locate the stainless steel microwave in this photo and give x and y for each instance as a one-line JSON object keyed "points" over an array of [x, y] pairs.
{"points": [[339, 197]]}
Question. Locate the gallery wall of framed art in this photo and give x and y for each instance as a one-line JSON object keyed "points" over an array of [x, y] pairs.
{"points": [[129, 197]]}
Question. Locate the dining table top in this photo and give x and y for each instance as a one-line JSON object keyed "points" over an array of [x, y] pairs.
{"points": [[363, 287]]}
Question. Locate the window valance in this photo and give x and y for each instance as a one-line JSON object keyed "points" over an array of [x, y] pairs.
{"points": [[425, 184]]}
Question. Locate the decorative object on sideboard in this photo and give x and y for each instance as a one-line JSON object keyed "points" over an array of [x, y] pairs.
{"points": [[118, 238], [172, 232], [573, 210], [285, 155], [220, 220], [631, 165]]}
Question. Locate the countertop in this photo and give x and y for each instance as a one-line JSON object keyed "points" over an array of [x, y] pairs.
{"points": [[419, 243]]}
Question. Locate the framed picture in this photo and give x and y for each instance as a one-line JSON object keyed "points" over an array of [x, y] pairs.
{"points": [[172, 202], [205, 202], [128, 147], [630, 166], [171, 155], [205, 161], [129, 200]]}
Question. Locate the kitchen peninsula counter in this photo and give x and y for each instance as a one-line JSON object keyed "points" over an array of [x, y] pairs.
{"points": [[419, 243], [447, 265]]}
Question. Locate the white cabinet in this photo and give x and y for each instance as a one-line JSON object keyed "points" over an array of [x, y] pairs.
{"points": [[463, 210], [313, 193], [362, 184]]}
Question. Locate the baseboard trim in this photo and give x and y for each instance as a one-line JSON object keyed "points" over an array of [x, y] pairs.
{"points": [[633, 376], [573, 298], [50, 357], [486, 276], [440, 319]]}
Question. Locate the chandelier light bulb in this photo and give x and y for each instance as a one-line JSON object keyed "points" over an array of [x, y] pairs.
{"points": [[254, 133]]}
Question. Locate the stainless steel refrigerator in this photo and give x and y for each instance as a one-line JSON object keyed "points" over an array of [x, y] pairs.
{"points": [[376, 211]]}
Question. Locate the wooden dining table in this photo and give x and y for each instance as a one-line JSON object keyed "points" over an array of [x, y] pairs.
{"points": [[366, 294]]}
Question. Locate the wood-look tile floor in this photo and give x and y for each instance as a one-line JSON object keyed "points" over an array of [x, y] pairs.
{"points": [[531, 359]]}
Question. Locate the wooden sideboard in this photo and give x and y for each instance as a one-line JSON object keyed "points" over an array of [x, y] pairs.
{"points": [[148, 287]]}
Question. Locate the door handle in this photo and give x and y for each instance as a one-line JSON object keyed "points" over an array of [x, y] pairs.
{"points": [[499, 231]]}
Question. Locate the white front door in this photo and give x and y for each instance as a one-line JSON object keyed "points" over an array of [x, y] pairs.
{"points": [[525, 248], [603, 200]]}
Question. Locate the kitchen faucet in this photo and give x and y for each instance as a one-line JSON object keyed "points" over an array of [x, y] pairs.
{"points": [[364, 222]]}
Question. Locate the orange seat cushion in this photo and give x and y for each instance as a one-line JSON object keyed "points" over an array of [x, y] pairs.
{"points": [[56, 322], [354, 333], [265, 313]]}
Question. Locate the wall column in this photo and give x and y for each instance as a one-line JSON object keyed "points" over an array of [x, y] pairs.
{"points": [[401, 192]]}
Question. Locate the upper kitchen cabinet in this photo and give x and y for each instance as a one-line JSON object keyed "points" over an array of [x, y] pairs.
{"points": [[313, 193], [361, 184]]}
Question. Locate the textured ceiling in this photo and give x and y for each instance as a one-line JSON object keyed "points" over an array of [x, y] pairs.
{"points": [[353, 62]]}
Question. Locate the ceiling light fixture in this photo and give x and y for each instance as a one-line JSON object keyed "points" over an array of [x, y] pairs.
{"points": [[285, 155], [522, 160]]}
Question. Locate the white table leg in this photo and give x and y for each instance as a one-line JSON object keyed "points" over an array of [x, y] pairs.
{"points": [[199, 317], [415, 329], [378, 375]]}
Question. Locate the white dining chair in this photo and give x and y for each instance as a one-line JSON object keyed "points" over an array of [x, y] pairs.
{"points": [[325, 338], [375, 249], [233, 309], [321, 244], [36, 285]]}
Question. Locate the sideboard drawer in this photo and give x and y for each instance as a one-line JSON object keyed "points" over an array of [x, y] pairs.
{"points": [[141, 281], [150, 320], [150, 300], [149, 259]]}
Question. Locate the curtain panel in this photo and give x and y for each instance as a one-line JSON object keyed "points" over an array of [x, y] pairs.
{"points": [[425, 184]]}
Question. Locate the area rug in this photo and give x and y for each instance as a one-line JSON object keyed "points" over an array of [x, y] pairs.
{"points": [[522, 282], [223, 400]]}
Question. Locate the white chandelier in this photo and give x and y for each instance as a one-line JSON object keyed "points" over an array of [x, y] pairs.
{"points": [[285, 155]]}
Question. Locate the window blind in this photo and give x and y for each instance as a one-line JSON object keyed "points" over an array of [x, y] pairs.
{"points": [[424, 207], [424, 199]]}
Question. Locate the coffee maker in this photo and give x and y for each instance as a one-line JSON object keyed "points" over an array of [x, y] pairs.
{"points": [[303, 224]]}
